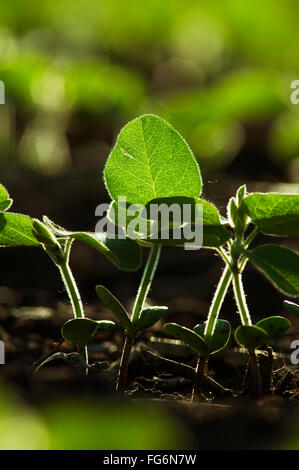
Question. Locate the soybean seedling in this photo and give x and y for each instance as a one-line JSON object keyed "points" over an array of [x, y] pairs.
{"points": [[272, 214], [22, 230], [152, 165]]}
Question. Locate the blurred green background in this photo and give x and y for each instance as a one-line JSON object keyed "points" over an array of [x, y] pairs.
{"points": [[76, 71]]}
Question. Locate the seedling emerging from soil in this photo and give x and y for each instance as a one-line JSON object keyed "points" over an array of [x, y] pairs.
{"points": [[21, 230], [152, 164], [272, 214]]}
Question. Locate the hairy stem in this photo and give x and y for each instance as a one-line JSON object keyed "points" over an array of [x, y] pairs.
{"points": [[256, 374], [217, 302], [240, 299], [124, 364], [72, 289], [74, 296], [251, 237], [199, 372], [145, 284], [146, 281], [222, 287], [245, 318]]}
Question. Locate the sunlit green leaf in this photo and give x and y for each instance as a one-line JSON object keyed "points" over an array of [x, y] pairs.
{"points": [[81, 330], [250, 337], [280, 265], [124, 253], [5, 201], [220, 336], [189, 214], [148, 317], [3, 193], [16, 230], [151, 160], [43, 234], [236, 214], [188, 336], [214, 232], [274, 213], [5, 205], [274, 326], [115, 306]]}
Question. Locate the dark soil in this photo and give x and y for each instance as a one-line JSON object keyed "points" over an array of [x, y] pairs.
{"points": [[160, 370]]}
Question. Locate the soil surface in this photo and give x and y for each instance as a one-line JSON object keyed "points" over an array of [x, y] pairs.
{"points": [[161, 371]]}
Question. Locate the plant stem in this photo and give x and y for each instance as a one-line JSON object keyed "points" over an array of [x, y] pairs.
{"points": [[146, 281], [74, 296], [243, 260], [224, 255], [256, 375], [124, 364], [72, 289], [220, 294], [199, 372], [67, 248], [246, 320], [145, 284], [251, 237], [217, 302], [222, 288], [240, 299]]}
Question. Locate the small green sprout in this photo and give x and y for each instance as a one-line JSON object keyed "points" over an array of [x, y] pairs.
{"points": [[273, 214], [151, 164], [22, 230], [203, 345]]}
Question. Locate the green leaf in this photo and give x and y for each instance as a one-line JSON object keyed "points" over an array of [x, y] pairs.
{"points": [[274, 213], [123, 215], [188, 336], [148, 317], [43, 234], [274, 326], [151, 160], [115, 306], [5, 205], [220, 336], [241, 194], [292, 307], [81, 330], [214, 233], [250, 337], [124, 253], [3, 193], [280, 265], [238, 219], [16, 230], [210, 215], [232, 211], [5, 201]]}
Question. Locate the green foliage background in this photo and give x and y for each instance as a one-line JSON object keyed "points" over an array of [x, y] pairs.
{"points": [[213, 69]]}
